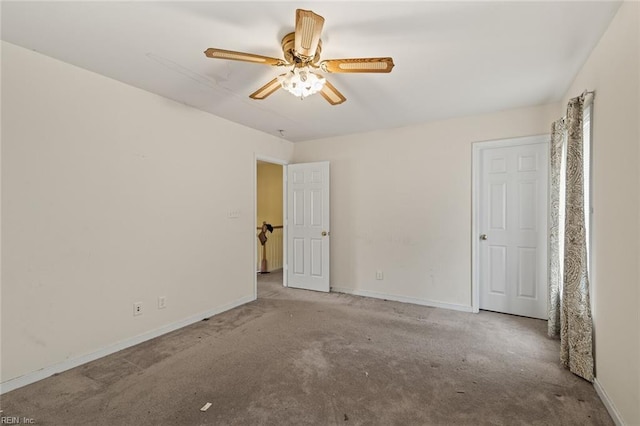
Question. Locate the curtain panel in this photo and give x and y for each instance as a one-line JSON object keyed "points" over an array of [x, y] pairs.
{"points": [[558, 138], [569, 303]]}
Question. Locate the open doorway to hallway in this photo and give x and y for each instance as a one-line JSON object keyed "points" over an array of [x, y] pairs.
{"points": [[269, 222]]}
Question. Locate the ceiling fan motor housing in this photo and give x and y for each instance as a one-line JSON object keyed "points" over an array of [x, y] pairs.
{"points": [[290, 55]]}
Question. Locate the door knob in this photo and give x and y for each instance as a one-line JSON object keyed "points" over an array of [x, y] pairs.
{"points": [[325, 233], [484, 237]]}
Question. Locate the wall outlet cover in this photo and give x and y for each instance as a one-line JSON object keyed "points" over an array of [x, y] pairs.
{"points": [[137, 309]]}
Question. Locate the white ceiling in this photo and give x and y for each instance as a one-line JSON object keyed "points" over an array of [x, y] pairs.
{"points": [[452, 58]]}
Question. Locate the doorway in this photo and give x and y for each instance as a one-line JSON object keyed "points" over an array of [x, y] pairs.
{"points": [[304, 224], [269, 234], [509, 232]]}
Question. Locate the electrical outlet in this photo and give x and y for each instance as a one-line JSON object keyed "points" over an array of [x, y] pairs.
{"points": [[233, 213], [137, 309], [379, 275], [162, 302]]}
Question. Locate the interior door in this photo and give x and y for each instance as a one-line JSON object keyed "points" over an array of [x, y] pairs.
{"points": [[513, 228], [308, 226]]}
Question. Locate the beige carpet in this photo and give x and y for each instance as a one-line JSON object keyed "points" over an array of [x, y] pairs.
{"points": [[303, 358]]}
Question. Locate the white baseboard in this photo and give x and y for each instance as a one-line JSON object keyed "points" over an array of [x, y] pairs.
{"points": [[68, 364], [615, 416], [403, 299]]}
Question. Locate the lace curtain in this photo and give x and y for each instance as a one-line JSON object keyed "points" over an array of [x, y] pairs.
{"points": [[569, 304]]}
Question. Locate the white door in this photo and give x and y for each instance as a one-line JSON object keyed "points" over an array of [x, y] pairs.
{"points": [[308, 226], [512, 226]]}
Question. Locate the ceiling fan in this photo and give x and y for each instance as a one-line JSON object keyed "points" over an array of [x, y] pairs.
{"points": [[301, 50]]}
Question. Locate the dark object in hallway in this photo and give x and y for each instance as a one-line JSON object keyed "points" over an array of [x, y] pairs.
{"points": [[262, 236]]}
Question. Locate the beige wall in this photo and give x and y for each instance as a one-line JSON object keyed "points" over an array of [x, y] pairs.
{"points": [[401, 203], [612, 70], [269, 196], [112, 195]]}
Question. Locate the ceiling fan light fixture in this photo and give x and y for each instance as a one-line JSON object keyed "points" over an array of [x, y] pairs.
{"points": [[301, 82], [301, 49]]}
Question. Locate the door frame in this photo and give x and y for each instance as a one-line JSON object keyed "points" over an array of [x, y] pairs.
{"points": [[477, 148], [284, 164]]}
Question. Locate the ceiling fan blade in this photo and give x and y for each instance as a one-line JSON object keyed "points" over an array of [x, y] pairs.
{"points": [[266, 90], [307, 34], [331, 94], [241, 56], [357, 65]]}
